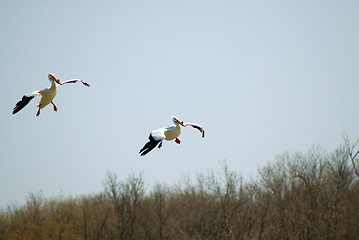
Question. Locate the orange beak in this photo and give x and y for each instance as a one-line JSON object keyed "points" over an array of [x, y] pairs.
{"points": [[58, 81]]}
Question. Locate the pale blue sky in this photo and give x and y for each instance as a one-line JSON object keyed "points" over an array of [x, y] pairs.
{"points": [[262, 77]]}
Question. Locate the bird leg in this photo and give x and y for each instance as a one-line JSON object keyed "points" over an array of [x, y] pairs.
{"points": [[55, 108], [38, 111], [159, 146], [177, 141]]}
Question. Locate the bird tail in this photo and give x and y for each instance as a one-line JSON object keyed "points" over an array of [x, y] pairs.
{"points": [[149, 145]]}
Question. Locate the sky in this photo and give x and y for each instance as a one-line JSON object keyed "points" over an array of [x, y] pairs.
{"points": [[261, 77]]}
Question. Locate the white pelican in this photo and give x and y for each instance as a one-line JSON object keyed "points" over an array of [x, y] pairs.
{"points": [[47, 94], [169, 133]]}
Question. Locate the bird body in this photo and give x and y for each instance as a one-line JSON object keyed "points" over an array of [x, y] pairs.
{"points": [[172, 132], [47, 95], [169, 133]]}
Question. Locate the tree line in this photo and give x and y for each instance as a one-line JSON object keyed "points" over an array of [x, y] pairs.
{"points": [[310, 195]]}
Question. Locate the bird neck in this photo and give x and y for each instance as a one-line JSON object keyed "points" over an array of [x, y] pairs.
{"points": [[53, 84]]}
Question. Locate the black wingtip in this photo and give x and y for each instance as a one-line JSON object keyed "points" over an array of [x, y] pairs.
{"points": [[22, 103], [149, 145]]}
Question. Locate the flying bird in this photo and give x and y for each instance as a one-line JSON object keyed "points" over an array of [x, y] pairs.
{"points": [[169, 133], [47, 94]]}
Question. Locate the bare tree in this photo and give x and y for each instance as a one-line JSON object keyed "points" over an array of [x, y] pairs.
{"points": [[35, 216], [126, 198], [353, 150], [160, 197], [226, 189], [134, 188]]}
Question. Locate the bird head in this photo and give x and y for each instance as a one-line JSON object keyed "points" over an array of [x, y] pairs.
{"points": [[53, 78], [176, 120]]}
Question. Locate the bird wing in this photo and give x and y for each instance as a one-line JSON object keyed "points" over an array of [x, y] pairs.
{"points": [[159, 134], [197, 127], [156, 136], [151, 144], [75, 81], [24, 101]]}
